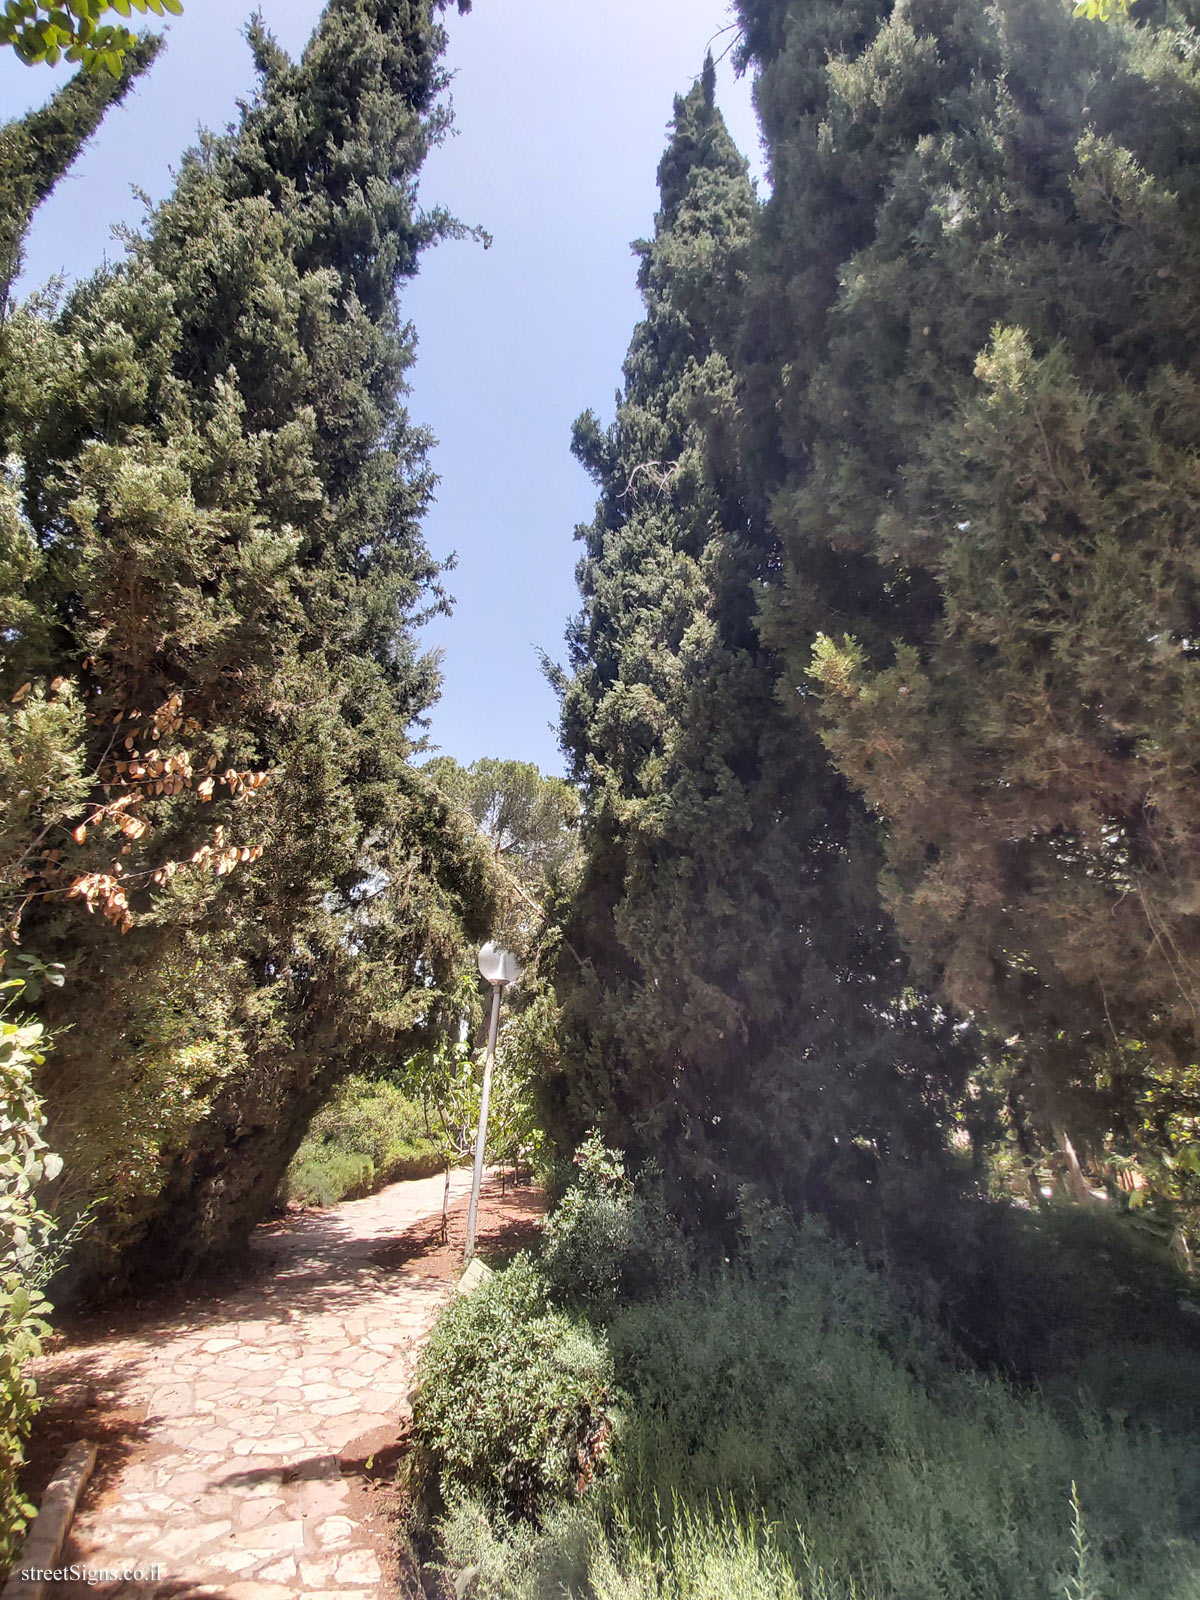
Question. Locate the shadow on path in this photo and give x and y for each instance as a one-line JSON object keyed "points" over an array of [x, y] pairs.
{"points": [[249, 1435]]}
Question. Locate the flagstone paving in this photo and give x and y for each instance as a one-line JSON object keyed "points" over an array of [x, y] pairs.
{"points": [[252, 1403]]}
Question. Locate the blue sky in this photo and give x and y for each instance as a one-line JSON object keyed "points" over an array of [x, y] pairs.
{"points": [[561, 112]]}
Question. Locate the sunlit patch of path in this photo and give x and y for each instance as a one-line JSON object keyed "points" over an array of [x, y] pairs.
{"points": [[252, 1402]]}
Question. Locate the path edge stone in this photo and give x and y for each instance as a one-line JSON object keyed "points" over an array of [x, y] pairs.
{"points": [[45, 1539], [477, 1272]]}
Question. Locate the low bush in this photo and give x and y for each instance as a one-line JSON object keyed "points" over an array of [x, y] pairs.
{"points": [[610, 1239], [695, 1555], [580, 1551], [330, 1176], [1072, 1297], [788, 1427], [514, 1399], [521, 1560], [24, 1236], [776, 1398], [369, 1134]]}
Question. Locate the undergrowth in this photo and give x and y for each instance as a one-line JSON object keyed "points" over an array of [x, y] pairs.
{"points": [[25, 1254], [368, 1135], [780, 1425], [535, 1385]]}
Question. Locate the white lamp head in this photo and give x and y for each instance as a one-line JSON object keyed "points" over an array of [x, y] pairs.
{"points": [[497, 965]]}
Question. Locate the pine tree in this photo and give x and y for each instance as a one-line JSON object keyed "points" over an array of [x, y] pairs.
{"points": [[734, 1003], [528, 821], [218, 512], [972, 371]]}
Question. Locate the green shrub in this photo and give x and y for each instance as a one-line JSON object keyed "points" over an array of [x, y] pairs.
{"points": [[911, 1476], [702, 1556], [330, 1176], [514, 1397], [850, 1449], [24, 1235], [691, 1554], [370, 1134], [610, 1239], [574, 1552], [1074, 1297], [369, 1116], [806, 1431], [520, 1560]]}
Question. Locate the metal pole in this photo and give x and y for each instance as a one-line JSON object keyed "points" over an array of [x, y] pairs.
{"points": [[481, 1137]]}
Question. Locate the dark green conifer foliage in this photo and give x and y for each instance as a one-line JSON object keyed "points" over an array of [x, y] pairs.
{"points": [[218, 510], [37, 149], [732, 994], [973, 378]]}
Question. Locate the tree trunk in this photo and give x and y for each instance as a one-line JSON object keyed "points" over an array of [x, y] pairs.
{"points": [[1076, 1183], [1024, 1144]]}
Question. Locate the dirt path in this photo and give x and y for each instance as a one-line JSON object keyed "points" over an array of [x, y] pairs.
{"points": [[249, 1421]]}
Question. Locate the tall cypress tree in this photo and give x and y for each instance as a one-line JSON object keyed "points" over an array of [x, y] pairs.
{"points": [[220, 499], [972, 363], [732, 994]]}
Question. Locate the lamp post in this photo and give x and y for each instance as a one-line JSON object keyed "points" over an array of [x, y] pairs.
{"points": [[499, 967]]}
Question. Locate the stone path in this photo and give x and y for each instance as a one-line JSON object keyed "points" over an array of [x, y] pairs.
{"points": [[238, 1491]]}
